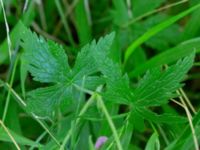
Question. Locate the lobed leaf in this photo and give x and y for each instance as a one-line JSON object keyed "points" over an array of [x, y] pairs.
{"points": [[157, 86], [48, 63]]}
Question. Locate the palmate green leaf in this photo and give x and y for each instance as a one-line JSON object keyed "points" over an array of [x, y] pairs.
{"points": [[155, 89], [118, 91], [92, 56], [117, 84], [47, 62], [157, 86], [45, 100]]}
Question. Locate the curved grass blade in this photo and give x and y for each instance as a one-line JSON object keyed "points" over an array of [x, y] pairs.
{"points": [[156, 29], [168, 56]]}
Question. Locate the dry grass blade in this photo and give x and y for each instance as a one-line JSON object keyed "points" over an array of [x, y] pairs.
{"points": [[189, 116], [188, 101]]}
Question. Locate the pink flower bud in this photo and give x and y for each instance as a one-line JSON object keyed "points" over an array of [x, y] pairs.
{"points": [[100, 141]]}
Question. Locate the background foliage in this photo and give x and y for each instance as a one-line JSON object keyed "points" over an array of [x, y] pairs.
{"points": [[137, 83]]}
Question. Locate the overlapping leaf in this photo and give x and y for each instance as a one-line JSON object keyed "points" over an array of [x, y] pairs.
{"points": [[158, 86], [155, 89], [47, 62]]}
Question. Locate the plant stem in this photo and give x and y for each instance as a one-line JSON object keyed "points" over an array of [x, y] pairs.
{"points": [[83, 110], [110, 122], [153, 12], [187, 100], [21, 101], [7, 30], [163, 135], [10, 135], [9, 90], [195, 140], [38, 140], [64, 20], [46, 129], [69, 9]]}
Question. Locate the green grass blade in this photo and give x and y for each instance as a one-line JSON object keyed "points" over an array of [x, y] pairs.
{"points": [[110, 122], [192, 27], [156, 29], [19, 139], [153, 142], [15, 38], [65, 23], [83, 25], [179, 142], [168, 56]]}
